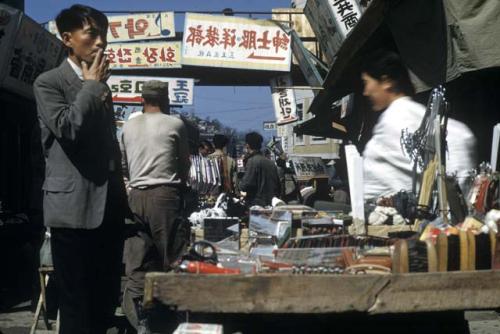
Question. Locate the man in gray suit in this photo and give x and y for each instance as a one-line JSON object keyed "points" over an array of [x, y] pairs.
{"points": [[84, 196]]}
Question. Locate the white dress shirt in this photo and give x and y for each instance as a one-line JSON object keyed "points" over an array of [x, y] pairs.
{"points": [[76, 68]]}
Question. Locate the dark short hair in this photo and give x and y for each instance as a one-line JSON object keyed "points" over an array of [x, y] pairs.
{"points": [[205, 143], [220, 141], [156, 101], [388, 64], [254, 140], [73, 18]]}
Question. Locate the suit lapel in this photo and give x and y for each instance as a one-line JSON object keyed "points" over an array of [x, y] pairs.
{"points": [[73, 81]]}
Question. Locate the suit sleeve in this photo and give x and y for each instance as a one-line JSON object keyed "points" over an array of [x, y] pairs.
{"points": [[69, 122], [249, 180]]}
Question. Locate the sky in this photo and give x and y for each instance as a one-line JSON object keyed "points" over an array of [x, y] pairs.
{"points": [[243, 108]]}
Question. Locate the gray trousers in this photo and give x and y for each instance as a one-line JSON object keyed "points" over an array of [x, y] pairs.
{"points": [[148, 249]]}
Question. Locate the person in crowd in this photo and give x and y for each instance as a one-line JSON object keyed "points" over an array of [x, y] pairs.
{"points": [[388, 87], [228, 171], [261, 181], [290, 191], [205, 148], [84, 200], [156, 161]]}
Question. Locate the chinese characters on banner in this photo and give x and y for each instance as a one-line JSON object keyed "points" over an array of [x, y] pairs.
{"points": [[144, 55], [128, 89], [331, 21], [234, 42], [34, 52], [269, 126], [347, 14], [135, 27], [141, 26], [283, 100], [309, 167]]}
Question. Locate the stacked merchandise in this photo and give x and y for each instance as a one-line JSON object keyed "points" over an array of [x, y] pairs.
{"points": [[446, 229]]}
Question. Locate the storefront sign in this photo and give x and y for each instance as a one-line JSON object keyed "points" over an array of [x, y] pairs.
{"points": [[269, 126], [134, 27], [128, 89], [141, 26], [283, 100], [346, 13], [34, 52], [235, 42], [144, 55], [331, 21], [309, 167], [9, 23]]}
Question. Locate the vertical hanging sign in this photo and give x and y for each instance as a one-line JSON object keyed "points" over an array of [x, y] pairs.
{"points": [[283, 100]]}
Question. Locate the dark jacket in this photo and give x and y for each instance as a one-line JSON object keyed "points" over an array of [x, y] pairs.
{"points": [[81, 152], [261, 181]]}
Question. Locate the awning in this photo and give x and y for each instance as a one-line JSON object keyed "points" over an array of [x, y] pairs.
{"points": [[323, 125], [437, 40]]}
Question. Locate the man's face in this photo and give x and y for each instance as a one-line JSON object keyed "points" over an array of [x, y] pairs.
{"points": [[203, 150], [378, 91], [86, 42]]}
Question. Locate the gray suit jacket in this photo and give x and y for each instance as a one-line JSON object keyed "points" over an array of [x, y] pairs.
{"points": [[80, 147]]}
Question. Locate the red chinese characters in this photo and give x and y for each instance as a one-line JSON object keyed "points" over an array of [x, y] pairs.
{"points": [[124, 55], [212, 36], [280, 41], [228, 38], [165, 55], [136, 29], [249, 39], [195, 35]]}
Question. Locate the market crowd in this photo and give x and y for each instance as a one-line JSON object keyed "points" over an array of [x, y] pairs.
{"points": [[108, 199]]}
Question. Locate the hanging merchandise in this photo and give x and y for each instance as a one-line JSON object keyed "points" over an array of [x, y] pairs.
{"points": [[204, 175]]}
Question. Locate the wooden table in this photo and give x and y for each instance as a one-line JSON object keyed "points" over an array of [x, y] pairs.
{"points": [[322, 294]]}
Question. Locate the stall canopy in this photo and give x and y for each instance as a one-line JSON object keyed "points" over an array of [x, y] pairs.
{"points": [[438, 41]]}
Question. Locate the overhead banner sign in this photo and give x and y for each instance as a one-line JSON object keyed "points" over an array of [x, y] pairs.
{"points": [[346, 13], [141, 26], [128, 89], [135, 27], [269, 126], [34, 52], [144, 55], [331, 21], [235, 42], [309, 167], [285, 107]]}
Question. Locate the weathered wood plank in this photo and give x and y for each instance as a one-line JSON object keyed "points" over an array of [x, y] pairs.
{"points": [[439, 291], [265, 293], [399, 293]]}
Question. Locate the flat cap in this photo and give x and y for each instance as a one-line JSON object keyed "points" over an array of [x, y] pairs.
{"points": [[155, 88]]}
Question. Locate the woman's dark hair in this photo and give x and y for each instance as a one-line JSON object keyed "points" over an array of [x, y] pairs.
{"points": [[383, 64], [73, 18], [254, 140]]}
